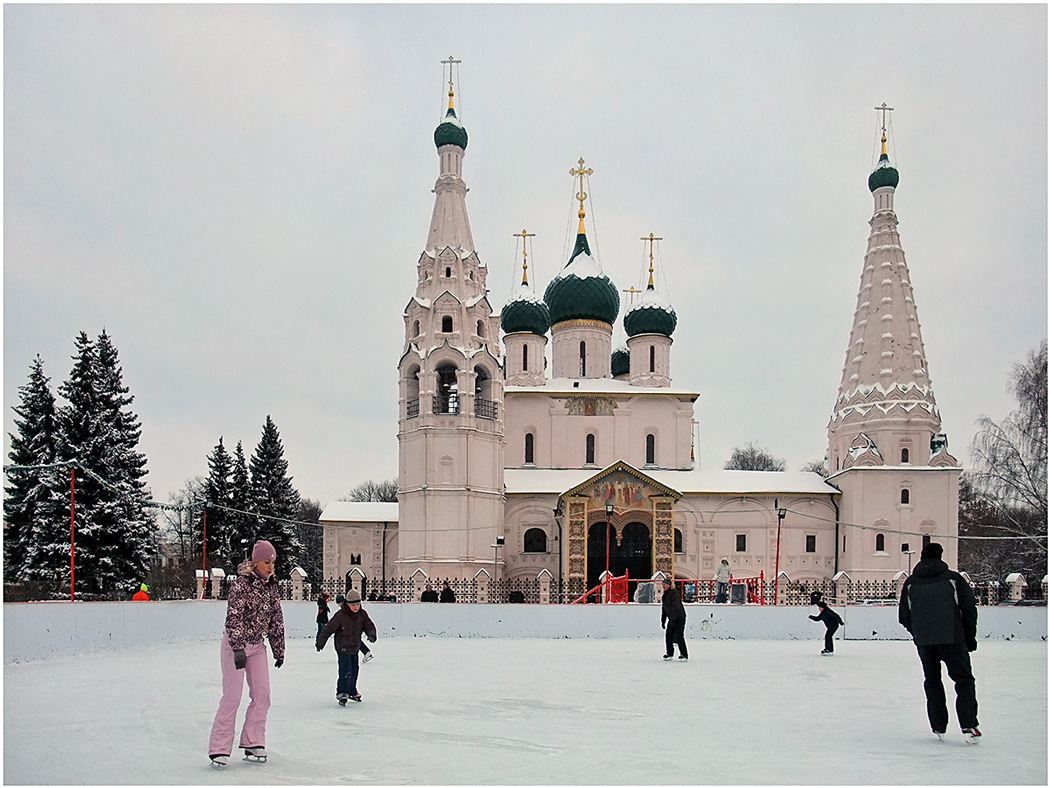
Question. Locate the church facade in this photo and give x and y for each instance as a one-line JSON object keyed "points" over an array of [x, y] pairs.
{"points": [[513, 469]]}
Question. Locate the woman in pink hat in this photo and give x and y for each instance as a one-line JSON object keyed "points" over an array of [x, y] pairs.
{"points": [[253, 612]]}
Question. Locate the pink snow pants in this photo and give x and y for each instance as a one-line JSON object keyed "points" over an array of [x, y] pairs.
{"points": [[257, 670]]}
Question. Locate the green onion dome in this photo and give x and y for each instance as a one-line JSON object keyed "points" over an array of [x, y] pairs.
{"points": [[581, 291], [885, 174], [451, 131], [651, 315], [621, 362], [525, 312]]}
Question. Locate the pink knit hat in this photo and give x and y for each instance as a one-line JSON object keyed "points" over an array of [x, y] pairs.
{"points": [[263, 551]]}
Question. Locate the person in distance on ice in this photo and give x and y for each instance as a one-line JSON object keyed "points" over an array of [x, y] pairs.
{"points": [[253, 612], [832, 621], [672, 619], [722, 578], [322, 611], [348, 624], [938, 608]]}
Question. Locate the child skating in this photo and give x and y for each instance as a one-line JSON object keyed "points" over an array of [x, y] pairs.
{"points": [[348, 625], [832, 621]]}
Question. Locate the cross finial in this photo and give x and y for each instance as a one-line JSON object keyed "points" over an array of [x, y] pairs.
{"points": [[581, 195], [650, 238], [451, 61], [524, 255], [632, 292], [883, 110]]}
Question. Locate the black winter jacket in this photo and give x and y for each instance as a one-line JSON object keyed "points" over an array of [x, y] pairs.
{"points": [[671, 608], [829, 617], [937, 606]]}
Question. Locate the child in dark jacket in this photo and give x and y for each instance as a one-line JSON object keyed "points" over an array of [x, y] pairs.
{"points": [[348, 625], [832, 621]]}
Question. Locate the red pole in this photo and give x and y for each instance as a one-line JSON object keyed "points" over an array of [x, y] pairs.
{"points": [[204, 550], [762, 586], [776, 580], [608, 528], [72, 528]]}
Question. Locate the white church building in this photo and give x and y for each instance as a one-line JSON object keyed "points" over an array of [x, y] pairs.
{"points": [[515, 471]]}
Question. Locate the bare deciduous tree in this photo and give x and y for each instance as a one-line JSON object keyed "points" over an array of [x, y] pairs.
{"points": [[753, 458], [374, 491], [1009, 474]]}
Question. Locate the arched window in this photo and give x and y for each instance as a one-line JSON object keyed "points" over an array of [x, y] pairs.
{"points": [[678, 541], [583, 359], [535, 541], [925, 539], [415, 329], [412, 393], [590, 449], [448, 272], [481, 328], [905, 495], [650, 449], [446, 324], [904, 456], [530, 447], [524, 358], [880, 543], [446, 398], [652, 358]]}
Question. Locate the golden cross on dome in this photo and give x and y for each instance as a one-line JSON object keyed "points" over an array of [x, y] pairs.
{"points": [[650, 238], [884, 109], [524, 255], [581, 195], [632, 292], [451, 92]]}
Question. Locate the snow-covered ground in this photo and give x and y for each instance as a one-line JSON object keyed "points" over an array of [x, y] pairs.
{"points": [[451, 711]]}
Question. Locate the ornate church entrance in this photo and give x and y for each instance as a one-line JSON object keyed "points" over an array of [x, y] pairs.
{"points": [[630, 550]]}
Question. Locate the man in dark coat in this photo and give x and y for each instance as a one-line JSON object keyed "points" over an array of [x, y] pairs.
{"points": [[672, 619], [447, 594], [430, 595], [939, 610]]}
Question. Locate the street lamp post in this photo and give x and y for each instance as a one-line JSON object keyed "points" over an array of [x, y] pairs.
{"points": [[909, 553], [499, 543], [781, 514]]}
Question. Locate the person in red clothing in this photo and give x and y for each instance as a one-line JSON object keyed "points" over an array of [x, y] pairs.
{"points": [[142, 595]]}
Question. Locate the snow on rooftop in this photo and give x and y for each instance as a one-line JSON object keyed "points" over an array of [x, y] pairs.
{"points": [[359, 512]]}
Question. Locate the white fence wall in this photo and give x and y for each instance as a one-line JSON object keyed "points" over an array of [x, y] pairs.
{"points": [[38, 630]]}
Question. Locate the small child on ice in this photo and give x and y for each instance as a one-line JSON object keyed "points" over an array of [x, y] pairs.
{"points": [[832, 621], [348, 625]]}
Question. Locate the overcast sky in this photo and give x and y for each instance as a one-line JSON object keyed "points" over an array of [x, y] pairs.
{"points": [[239, 195]]}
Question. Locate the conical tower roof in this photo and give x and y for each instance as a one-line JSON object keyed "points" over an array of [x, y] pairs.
{"points": [[885, 380]]}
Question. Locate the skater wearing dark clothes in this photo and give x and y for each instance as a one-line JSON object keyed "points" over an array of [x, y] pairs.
{"points": [[253, 612], [447, 594], [938, 608], [672, 619], [322, 611], [832, 621], [348, 624]]}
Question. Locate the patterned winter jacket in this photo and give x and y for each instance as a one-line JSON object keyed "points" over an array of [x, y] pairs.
{"points": [[254, 612]]}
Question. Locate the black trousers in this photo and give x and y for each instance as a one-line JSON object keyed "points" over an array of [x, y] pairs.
{"points": [[957, 660], [829, 644], [675, 634]]}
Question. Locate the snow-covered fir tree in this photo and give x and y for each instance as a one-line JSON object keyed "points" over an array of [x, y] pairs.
{"points": [[115, 533], [222, 549], [242, 525], [29, 495], [274, 497]]}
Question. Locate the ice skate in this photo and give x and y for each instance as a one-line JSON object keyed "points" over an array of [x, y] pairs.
{"points": [[939, 735], [668, 656], [368, 657], [683, 658], [219, 761], [255, 754], [342, 697], [356, 697], [973, 736], [826, 653]]}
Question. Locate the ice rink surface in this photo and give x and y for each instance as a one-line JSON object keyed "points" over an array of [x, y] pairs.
{"points": [[459, 711]]}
